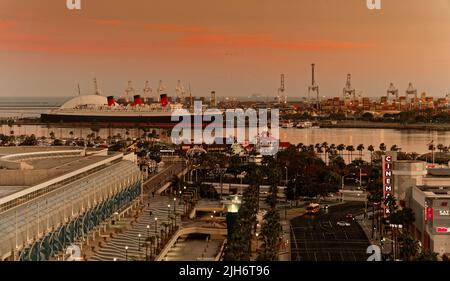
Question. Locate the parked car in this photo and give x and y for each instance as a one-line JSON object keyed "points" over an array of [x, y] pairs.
{"points": [[350, 216], [343, 223]]}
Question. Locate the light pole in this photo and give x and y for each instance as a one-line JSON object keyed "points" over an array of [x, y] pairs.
{"points": [[148, 231], [156, 226], [286, 168], [174, 202], [360, 176], [139, 242], [168, 211], [126, 253], [257, 235]]}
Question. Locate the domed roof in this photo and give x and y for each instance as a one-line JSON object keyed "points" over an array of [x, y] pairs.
{"points": [[85, 100]]}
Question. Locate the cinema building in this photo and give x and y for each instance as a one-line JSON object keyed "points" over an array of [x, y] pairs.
{"points": [[427, 193]]}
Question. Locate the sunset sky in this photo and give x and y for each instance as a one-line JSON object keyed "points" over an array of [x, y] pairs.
{"points": [[235, 47]]}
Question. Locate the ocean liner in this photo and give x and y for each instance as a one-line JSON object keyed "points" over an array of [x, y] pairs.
{"points": [[101, 110]]}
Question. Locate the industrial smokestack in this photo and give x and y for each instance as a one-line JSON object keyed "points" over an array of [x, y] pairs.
{"points": [[111, 101], [164, 100], [137, 100]]}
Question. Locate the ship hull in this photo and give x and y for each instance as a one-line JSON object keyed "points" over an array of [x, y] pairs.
{"points": [[112, 120]]}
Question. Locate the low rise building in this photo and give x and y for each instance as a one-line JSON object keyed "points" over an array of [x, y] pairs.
{"points": [[51, 199]]}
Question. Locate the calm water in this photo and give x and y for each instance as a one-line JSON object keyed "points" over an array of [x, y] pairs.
{"points": [[408, 141], [22, 107]]}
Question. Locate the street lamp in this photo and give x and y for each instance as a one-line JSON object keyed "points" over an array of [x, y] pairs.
{"points": [[126, 253], [286, 168], [148, 231], [139, 242], [168, 211], [114, 259], [174, 202], [156, 226], [257, 234]]}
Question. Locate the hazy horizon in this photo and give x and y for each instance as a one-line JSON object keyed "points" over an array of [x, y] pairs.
{"points": [[236, 48]]}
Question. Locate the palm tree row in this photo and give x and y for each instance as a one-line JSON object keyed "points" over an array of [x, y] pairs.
{"points": [[271, 227], [338, 150], [239, 245]]}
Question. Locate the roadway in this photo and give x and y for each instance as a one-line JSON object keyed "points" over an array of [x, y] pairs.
{"points": [[319, 238]]}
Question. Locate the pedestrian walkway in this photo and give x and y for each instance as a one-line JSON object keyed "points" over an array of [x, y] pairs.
{"points": [[146, 226], [191, 248]]}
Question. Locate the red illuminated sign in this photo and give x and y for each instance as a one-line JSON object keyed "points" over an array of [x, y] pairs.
{"points": [[387, 180], [442, 229], [429, 213]]}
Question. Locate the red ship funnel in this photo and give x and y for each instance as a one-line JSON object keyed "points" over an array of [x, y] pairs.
{"points": [[164, 100], [111, 101], [137, 100]]}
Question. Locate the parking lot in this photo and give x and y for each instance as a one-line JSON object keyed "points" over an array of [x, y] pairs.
{"points": [[319, 238]]}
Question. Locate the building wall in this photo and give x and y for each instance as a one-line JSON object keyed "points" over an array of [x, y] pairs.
{"points": [[425, 230], [440, 244], [407, 174]]}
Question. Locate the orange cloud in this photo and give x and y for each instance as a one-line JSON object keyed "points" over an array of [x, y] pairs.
{"points": [[267, 41], [175, 28], [109, 22], [6, 25]]}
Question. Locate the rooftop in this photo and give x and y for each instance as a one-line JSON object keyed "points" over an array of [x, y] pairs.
{"points": [[439, 172], [24, 168], [435, 191]]}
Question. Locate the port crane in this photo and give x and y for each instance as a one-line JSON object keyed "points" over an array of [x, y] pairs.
{"points": [[314, 88], [411, 91], [180, 91], [392, 90], [349, 91], [96, 90], [281, 89]]}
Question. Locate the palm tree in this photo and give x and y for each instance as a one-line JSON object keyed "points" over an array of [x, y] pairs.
{"points": [[382, 147], [371, 149], [319, 150], [341, 148], [394, 147], [360, 148], [332, 146], [350, 149], [409, 247], [432, 148]]}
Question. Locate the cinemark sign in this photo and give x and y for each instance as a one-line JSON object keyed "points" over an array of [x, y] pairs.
{"points": [[387, 180]]}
